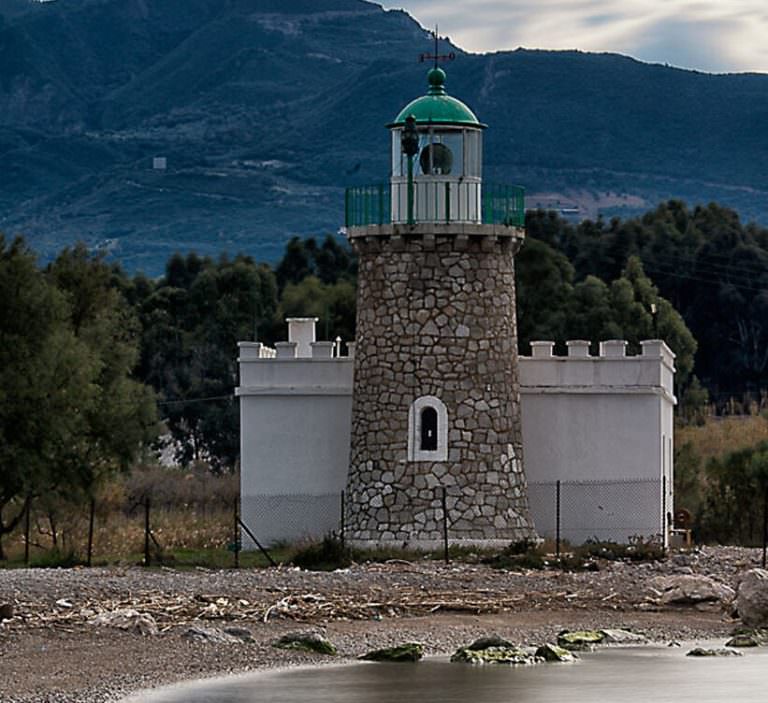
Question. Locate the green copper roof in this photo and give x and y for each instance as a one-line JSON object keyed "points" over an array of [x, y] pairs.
{"points": [[437, 107]]}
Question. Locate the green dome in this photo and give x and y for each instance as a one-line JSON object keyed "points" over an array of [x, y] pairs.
{"points": [[437, 107]]}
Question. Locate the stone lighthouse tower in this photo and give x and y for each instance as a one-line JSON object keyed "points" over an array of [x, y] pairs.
{"points": [[436, 408]]}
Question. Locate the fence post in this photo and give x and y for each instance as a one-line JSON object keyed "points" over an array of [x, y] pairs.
{"points": [[27, 519], [268, 556], [557, 519], [765, 523], [664, 512], [444, 498], [343, 526], [236, 533], [146, 532], [91, 520]]}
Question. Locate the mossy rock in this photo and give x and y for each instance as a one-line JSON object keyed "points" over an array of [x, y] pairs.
{"points": [[580, 640], [306, 642], [622, 637], [492, 655], [743, 641], [718, 652], [408, 652], [486, 642], [748, 637], [553, 653]]}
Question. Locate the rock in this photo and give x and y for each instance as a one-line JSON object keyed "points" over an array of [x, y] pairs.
{"points": [[6, 611], [622, 637], [306, 642], [579, 640], [492, 655], [752, 598], [718, 652], [408, 652], [241, 633], [743, 641], [553, 653], [210, 635], [688, 590], [486, 642], [127, 619]]}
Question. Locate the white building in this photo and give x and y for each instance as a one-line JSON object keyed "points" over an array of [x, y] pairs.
{"points": [[602, 426], [437, 424]]}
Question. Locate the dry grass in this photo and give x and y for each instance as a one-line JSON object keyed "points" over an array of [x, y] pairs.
{"points": [[191, 510], [722, 435]]}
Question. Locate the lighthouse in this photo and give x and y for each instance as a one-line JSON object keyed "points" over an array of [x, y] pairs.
{"points": [[436, 440]]}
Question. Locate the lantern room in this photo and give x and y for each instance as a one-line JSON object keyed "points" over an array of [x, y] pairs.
{"points": [[437, 150]]}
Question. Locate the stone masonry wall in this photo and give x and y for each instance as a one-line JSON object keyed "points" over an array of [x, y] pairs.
{"points": [[436, 316]]}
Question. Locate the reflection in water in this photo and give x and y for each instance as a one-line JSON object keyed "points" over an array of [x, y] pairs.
{"points": [[636, 675]]}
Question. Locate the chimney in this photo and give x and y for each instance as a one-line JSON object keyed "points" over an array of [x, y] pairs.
{"points": [[301, 330]]}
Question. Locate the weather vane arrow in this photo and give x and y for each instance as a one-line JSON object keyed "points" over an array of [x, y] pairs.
{"points": [[437, 57]]}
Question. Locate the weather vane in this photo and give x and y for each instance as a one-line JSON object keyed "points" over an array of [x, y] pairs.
{"points": [[436, 56]]}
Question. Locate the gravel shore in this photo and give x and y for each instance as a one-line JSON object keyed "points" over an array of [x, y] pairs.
{"points": [[53, 650]]}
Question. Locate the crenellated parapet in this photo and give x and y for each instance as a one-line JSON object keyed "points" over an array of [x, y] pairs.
{"points": [[612, 370]]}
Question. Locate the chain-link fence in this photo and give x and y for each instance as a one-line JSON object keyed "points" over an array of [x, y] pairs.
{"points": [[291, 517], [566, 511], [153, 522], [605, 511]]}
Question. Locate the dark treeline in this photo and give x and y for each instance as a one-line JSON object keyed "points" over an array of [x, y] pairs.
{"points": [[697, 278], [704, 261]]}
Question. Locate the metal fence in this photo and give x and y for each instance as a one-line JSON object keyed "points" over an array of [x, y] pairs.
{"points": [[153, 526], [430, 201], [568, 511], [605, 511]]}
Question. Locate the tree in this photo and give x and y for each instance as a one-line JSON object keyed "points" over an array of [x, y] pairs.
{"points": [[191, 325], [333, 305], [121, 417], [47, 384], [736, 486], [543, 278]]}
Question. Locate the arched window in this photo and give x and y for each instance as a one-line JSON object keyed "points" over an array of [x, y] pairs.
{"points": [[427, 430]]}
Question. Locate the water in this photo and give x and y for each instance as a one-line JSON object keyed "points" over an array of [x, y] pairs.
{"points": [[626, 675]]}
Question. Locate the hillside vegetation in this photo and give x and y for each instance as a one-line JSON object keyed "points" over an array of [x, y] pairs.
{"points": [[265, 110]]}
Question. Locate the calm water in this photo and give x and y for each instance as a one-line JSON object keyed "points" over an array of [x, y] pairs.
{"points": [[631, 675]]}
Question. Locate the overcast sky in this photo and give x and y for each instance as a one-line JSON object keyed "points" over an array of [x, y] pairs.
{"points": [[709, 35]]}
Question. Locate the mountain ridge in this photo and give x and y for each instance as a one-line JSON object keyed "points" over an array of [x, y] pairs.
{"points": [[266, 110]]}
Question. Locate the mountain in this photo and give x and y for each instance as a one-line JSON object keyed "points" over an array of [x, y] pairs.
{"points": [[266, 109]]}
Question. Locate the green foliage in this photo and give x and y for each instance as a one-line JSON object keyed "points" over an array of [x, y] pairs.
{"points": [[328, 555], [693, 405], [329, 261], [56, 559], [333, 304], [69, 413], [122, 416], [707, 269], [736, 492], [551, 306], [191, 322], [637, 550]]}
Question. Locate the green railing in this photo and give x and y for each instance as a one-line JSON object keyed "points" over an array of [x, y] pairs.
{"points": [[439, 202]]}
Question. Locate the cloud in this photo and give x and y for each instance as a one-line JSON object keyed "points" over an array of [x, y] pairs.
{"points": [[708, 35]]}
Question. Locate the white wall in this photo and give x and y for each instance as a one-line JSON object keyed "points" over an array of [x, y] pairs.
{"points": [[295, 417], [594, 423], [602, 426]]}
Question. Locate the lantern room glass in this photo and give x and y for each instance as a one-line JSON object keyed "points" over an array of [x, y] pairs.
{"points": [[465, 146]]}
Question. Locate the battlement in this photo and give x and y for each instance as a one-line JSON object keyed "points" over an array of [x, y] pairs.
{"points": [[612, 371], [299, 366]]}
